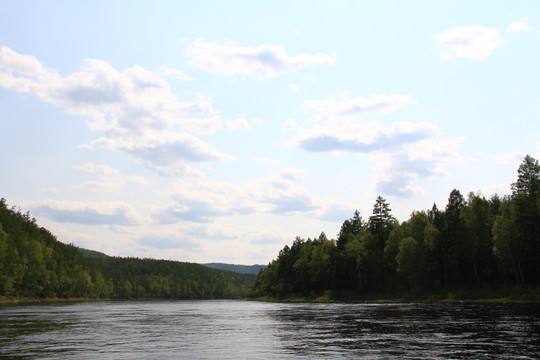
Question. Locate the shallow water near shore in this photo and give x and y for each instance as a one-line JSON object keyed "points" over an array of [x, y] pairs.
{"points": [[258, 330]]}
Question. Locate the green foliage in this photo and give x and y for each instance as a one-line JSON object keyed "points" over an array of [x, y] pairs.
{"points": [[34, 264], [473, 242], [242, 269]]}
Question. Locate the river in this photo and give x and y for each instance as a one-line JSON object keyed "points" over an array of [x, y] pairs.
{"points": [[256, 330]]}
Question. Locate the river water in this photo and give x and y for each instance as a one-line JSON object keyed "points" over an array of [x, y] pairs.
{"points": [[256, 330]]}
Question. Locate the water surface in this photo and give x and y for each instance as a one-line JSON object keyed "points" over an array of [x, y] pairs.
{"points": [[254, 330]]}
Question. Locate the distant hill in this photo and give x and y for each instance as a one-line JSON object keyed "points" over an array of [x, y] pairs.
{"points": [[242, 269], [92, 253]]}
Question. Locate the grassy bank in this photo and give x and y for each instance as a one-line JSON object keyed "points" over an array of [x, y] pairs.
{"points": [[484, 294]]}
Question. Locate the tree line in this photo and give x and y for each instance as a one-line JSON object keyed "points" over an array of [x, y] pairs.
{"points": [[34, 264], [473, 241]]}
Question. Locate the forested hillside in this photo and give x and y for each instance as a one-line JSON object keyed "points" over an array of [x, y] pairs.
{"points": [[473, 241], [242, 269], [34, 264]]}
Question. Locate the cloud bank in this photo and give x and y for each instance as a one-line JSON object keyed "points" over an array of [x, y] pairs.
{"points": [[204, 201], [404, 152], [134, 109]]}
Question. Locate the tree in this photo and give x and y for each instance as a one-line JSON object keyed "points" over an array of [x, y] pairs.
{"points": [[479, 224], [349, 229], [410, 262], [526, 197], [380, 226], [380, 221], [433, 255], [507, 247], [454, 238], [528, 182]]}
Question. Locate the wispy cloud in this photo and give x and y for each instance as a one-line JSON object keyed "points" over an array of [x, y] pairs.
{"points": [[108, 179], [88, 213], [344, 105], [174, 73], [260, 62], [471, 42]]}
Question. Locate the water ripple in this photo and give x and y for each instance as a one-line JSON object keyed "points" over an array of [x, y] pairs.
{"points": [[242, 330]]}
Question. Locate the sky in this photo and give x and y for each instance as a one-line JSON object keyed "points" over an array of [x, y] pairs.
{"points": [[218, 131]]}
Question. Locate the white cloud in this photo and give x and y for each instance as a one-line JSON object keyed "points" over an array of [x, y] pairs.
{"points": [[519, 26], [344, 105], [175, 73], [239, 124], [511, 157], [397, 171], [248, 242], [101, 169], [168, 153], [264, 61], [203, 201], [404, 152], [88, 213], [109, 179], [258, 122], [134, 109], [290, 124], [471, 42], [363, 137], [293, 174]]}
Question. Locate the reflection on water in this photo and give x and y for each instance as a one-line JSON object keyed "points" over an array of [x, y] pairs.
{"points": [[241, 330]]}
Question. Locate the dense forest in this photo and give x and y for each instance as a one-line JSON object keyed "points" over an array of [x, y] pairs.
{"points": [[472, 242], [243, 269], [34, 264]]}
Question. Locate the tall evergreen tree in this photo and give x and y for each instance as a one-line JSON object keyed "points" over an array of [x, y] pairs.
{"points": [[526, 197], [454, 242], [380, 221], [380, 226]]}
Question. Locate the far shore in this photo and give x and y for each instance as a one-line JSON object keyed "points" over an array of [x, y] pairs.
{"points": [[520, 294]]}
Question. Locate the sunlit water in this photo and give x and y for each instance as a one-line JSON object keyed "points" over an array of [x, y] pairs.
{"points": [[254, 330]]}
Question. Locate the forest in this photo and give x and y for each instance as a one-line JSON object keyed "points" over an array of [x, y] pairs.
{"points": [[34, 265], [472, 242]]}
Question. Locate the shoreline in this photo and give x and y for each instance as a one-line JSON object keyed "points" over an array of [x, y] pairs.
{"points": [[480, 295]]}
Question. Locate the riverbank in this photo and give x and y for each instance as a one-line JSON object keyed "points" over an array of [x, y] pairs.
{"points": [[6, 300], [486, 294]]}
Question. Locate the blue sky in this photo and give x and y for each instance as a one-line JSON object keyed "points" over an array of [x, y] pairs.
{"points": [[218, 131]]}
